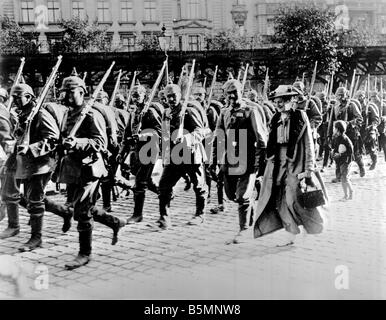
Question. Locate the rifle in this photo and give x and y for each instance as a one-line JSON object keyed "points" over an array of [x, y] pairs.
{"points": [[351, 92], [185, 103], [313, 79], [230, 75], [266, 83], [179, 83], [39, 102], [84, 76], [239, 75], [329, 112], [116, 88], [204, 85], [244, 78], [381, 113], [16, 81], [89, 104], [212, 86], [131, 90], [151, 97]]}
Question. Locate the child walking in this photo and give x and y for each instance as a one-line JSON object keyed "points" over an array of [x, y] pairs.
{"points": [[343, 155]]}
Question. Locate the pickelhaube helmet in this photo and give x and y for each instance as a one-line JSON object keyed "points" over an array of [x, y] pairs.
{"points": [[172, 88], [341, 90], [21, 89], [102, 94], [73, 82], [299, 85]]}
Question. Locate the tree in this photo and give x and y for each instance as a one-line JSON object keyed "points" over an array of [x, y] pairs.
{"points": [[231, 39], [11, 38], [307, 34], [361, 36], [82, 36], [149, 43]]}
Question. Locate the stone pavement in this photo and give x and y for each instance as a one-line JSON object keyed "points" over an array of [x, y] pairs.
{"points": [[192, 262]]}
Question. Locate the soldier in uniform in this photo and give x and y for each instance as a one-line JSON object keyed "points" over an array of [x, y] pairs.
{"points": [[352, 116], [35, 162], [369, 131], [309, 106], [133, 142], [82, 167], [258, 99], [6, 148], [192, 162], [237, 120], [324, 150]]}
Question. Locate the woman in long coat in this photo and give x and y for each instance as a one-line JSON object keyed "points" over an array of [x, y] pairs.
{"points": [[290, 152]]}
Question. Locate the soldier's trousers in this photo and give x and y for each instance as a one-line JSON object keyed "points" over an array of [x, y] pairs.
{"points": [[10, 196], [235, 188], [382, 143], [170, 176], [34, 192]]}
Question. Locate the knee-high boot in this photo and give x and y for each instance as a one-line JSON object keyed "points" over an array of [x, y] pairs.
{"points": [[13, 221], [110, 221], [83, 257], [36, 234]]}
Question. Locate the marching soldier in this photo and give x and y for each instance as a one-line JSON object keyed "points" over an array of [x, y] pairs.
{"points": [[7, 175], [193, 159], [236, 120], [82, 167], [150, 133], [369, 131], [348, 112], [324, 150], [258, 99], [309, 106], [35, 162]]}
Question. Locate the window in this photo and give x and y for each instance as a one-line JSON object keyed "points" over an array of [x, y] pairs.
{"points": [[53, 11], [383, 24], [127, 10], [78, 9], [270, 26], [103, 11], [150, 10], [194, 43], [194, 9], [27, 11], [179, 9], [128, 42]]}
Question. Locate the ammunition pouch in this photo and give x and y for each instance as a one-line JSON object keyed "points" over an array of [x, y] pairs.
{"points": [[93, 168]]}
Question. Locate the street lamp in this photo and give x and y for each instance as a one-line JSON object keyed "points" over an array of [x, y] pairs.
{"points": [[164, 43]]}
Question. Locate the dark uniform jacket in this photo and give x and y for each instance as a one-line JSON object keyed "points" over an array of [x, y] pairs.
{"points": [[6, 130], [313, 113], [195, 131], [43, 139], [92, 142], [252, 120], [348, 113]]}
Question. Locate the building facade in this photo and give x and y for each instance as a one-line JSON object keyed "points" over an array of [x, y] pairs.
{"points": [[187, 23]]}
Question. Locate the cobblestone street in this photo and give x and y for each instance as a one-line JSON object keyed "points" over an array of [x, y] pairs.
{"points": [[193, 262]]}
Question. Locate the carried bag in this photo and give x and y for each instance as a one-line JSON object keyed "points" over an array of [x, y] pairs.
{"points": [[94, 169], [311, 199]]}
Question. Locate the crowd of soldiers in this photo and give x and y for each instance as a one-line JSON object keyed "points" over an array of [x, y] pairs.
{"points": [[87, 144]]}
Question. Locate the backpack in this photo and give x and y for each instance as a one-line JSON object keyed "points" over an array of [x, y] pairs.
{"points": [[59, 113], [111, 125]]}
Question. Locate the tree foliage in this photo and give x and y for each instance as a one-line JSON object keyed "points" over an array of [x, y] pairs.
{"points": [[307, 34], [361, 36], [11, 37], [82, 36], [231, 39], [149, 42]]}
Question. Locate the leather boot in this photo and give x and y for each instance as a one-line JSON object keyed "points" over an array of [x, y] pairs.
{"points": [[83, 257], [139, 200], [243, 216], [36, 234], [3, 211], [64, 211], [374, 158], [106, 196], [13, 222], [110, 221]]}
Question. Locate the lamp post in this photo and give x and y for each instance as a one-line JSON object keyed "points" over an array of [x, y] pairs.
{"points": [[164, 43]]}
